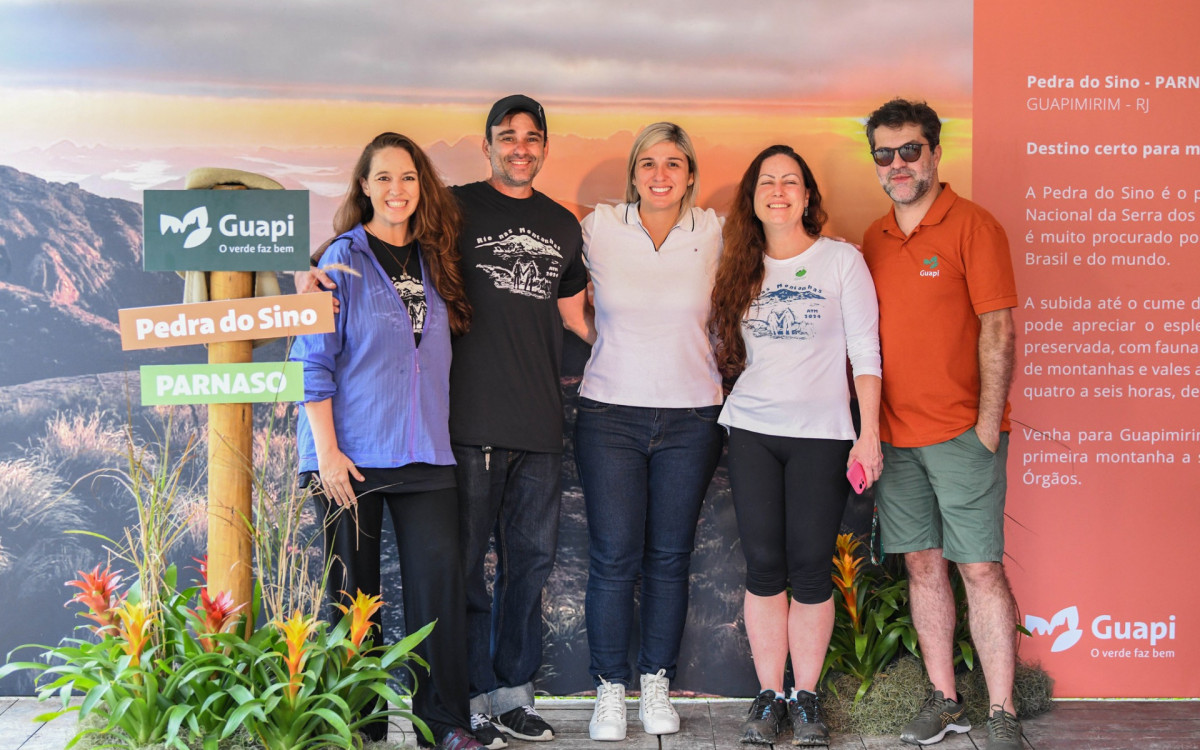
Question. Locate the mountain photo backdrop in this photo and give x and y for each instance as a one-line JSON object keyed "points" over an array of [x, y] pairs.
{"points": [[106, 99]]}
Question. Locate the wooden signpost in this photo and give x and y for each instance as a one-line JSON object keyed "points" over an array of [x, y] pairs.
{"points": [[248, 231]]}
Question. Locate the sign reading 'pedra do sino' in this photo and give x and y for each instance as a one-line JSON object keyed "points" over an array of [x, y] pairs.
{"points": [[225, 230]]}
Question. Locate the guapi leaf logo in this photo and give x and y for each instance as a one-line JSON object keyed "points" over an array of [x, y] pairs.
{"points": [[197, 216], [1065, 640], [931, 262], [801, 272]]}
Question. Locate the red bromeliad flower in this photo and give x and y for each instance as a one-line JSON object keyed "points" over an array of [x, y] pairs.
{"points": [[98, 592], [203, 569], [296, 632], [360, 611], [214, 615], [134, 629], [846, 569]]}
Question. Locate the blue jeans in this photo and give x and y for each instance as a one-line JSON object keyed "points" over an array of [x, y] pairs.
{"points": [[644, 473], [516, 495]]}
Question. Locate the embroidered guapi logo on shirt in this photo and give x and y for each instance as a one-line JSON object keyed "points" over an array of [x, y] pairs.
{"points": [[933, 264], [197, 216], [800, 272]]}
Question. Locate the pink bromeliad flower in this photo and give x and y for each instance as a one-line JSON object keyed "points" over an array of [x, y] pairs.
{"points": [[214, 615]]}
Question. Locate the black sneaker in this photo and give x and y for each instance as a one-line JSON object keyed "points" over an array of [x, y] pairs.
{"points": [[524, 723], [486, 732], [807, 728], [768, 717], [1004, 731], [938, 716]]}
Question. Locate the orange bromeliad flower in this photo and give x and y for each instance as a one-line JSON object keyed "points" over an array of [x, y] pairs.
{"points": [[846, 570], [360, 611], [134, 629], [98, 592], [296, 631]]}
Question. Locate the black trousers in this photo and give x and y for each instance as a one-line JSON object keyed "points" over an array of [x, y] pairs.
{"points": [[788, 494], [427, 535]]}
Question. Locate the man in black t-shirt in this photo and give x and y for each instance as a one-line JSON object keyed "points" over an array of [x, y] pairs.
{"points": [[522, 265], [523, 269]]}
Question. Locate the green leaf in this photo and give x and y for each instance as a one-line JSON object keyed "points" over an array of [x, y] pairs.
{"points": [[335, 721], [968, 654], [860, 645], [239, 716]]}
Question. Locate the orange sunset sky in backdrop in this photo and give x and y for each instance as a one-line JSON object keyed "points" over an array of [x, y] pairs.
{"points": [[122, 97]]}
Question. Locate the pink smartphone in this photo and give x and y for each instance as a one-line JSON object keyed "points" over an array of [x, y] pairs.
{"points": [[857, 477]]}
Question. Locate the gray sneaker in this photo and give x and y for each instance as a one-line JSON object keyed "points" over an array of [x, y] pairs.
{"points": [[768, 717], [1004, 731], [938, 716]]}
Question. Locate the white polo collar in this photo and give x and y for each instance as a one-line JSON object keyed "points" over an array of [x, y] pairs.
{"points": [[687, 222]]}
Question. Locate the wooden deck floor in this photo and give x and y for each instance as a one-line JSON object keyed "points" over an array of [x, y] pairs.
{"points": [[711, 724]]}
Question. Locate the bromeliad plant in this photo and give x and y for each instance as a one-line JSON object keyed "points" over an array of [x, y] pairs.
{"points": [[184, 667], [873, 619], [183, 674], [872, 622], [320, 686]]}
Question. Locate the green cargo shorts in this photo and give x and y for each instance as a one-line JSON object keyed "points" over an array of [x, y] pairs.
{"points": [[949, 495]]}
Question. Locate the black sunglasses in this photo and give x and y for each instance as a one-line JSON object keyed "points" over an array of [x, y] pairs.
{"points": [[909, 152]]}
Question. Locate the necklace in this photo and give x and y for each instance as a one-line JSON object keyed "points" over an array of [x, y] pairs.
{"points": [[392, 250]]}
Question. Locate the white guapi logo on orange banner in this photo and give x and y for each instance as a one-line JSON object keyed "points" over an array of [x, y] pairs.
{"points": [[1068, 638], [197, 216], [1105, 628]]}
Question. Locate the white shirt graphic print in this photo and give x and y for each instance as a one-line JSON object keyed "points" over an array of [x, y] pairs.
{"points": [[525, 263]]}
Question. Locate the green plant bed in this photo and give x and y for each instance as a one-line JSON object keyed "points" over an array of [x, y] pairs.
{"points": [[897, 693]]}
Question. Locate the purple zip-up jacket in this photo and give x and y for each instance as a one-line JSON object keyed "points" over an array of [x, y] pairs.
{"points": [[391, 399]]}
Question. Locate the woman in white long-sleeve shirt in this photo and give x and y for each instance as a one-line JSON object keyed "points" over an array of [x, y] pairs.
{"points": [[789, 307]]}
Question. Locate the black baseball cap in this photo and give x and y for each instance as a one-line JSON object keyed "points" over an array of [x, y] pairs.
{"points": [[515, 103]]}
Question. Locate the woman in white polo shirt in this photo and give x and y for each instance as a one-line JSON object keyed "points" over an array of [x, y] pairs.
{"points": [[646, 440]]}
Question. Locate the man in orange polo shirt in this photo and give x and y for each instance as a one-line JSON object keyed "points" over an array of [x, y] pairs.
{"points": [[944, 279]]}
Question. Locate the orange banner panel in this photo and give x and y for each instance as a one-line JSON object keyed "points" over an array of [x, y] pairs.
{"points": [[1086, 150]]}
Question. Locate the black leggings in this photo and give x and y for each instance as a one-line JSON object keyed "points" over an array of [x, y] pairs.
{"points": [[789, 495], [426, 525]]}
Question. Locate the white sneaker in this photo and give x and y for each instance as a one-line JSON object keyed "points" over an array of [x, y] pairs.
{"points": [[654, 707], [608, 717]]}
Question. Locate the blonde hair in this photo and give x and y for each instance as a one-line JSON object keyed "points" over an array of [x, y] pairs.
{"points": [[652, 135]]}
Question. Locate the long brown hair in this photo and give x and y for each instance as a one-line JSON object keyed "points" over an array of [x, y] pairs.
{"points": [[435, 223], [740, 272]]}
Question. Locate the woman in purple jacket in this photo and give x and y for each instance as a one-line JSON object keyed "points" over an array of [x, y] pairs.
{"points": [[374, 428]]}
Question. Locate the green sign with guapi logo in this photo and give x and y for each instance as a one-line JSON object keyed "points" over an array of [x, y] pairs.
{"points": [[249, 382], [225, 230]]}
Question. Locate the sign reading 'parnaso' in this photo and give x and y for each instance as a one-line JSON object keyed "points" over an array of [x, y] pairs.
{"points": [[226, 320], [249, 382]]}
